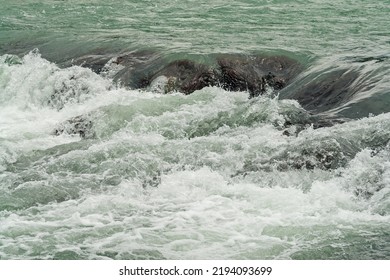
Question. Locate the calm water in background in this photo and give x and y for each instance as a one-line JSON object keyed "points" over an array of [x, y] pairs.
{"points": [[143, 189]]}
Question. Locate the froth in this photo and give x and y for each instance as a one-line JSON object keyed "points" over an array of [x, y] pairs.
{"points": [[36, 82]]}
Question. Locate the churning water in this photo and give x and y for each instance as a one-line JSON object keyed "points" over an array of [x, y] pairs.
{"points": [[209, 175]]}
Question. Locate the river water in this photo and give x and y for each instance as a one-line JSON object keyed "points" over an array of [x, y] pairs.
{"points": [[210, 175]]}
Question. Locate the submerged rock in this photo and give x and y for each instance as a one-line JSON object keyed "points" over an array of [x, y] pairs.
{"points": [[163, 85], [324, 91], [185, 76], [350, 93], [256, 73], [95, 62], [253, 73], [69, 89], [80, 125], [128, 69], [320, 91], [314, 121]]}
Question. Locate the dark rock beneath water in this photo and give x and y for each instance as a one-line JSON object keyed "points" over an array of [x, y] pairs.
{"points": [[68, 90], [80, 125], [324, 91], [141, 71], [135, 67], [94, 62], [131, 66], [317, 92], [256, 73], [313, 121], [320, 91], [163, 84], [186, 76], [326, 157]]}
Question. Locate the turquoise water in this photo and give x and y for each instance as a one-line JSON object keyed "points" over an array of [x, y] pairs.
{"points": [[210, 175], [310, 27]]}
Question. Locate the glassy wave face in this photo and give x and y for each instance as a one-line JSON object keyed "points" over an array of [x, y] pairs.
{"points": [[179, 130]]}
